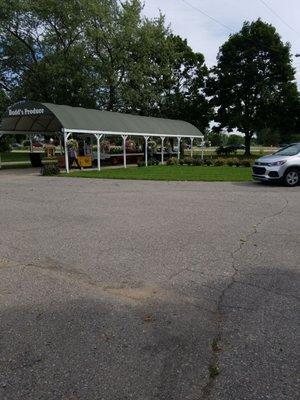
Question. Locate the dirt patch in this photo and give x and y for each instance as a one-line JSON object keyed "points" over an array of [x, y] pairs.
{"points": [[134, 293], [138, 294]]}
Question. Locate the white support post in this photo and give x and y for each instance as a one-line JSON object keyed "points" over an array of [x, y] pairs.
{"points": [[66, 136], [124, 150], [192, 140], [98, 153], [98, 137], [178, 143], [146, 150], [162, 149]]}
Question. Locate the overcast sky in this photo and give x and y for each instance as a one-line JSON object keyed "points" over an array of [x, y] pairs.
{"points": [[206, 36]]}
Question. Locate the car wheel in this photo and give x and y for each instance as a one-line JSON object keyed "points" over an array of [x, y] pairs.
{"points": [[292, 178]]}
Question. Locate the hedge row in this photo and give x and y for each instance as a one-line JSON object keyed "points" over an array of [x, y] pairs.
{"points": [[218, 162]]}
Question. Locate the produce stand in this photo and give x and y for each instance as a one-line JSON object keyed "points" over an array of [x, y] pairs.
{"points": [[34, 118]]}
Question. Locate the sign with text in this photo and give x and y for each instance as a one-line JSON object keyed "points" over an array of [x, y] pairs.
{"points": [[26, 109]]}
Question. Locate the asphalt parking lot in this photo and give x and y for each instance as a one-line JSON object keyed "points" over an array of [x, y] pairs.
{"points": [[121, 290]]}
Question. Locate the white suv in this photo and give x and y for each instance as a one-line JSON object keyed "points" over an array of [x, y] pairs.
{"points": [[284, 165]]}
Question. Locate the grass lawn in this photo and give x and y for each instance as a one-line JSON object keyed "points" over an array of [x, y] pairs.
{"points": [[170, 173], [14, 156]]}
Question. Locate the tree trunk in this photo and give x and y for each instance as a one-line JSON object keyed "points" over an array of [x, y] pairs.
{"points": [[112, 98], [247, 144]]}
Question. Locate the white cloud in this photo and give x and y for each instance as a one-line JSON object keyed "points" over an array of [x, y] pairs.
{"points": [[206, 36]]}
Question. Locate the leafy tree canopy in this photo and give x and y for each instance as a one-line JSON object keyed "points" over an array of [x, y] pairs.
{"points": [[102, 54], [234, 139], [253, 84]]}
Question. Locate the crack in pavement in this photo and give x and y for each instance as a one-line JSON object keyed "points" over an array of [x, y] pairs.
{"points": [[207, 388], [86, 281]]}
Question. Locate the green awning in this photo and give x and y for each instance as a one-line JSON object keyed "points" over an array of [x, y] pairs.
{"points": [[33, 117]]}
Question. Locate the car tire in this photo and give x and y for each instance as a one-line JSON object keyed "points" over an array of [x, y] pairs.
{"points": [[292, 177]]}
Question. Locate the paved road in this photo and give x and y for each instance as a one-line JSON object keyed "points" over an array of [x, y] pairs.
{"points": [[117, 290]]}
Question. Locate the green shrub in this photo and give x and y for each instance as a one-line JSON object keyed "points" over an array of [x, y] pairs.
{"points": [[141, 163], [188, 160], [50, 169], [153, 161], [237, 163], [197, 161], [172, 161], [246, 163], [208, 162], [231, 162], [181, 161], [219, 162]]}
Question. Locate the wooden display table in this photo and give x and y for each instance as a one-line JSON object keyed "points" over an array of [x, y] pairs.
{"points": [[84, 161]]}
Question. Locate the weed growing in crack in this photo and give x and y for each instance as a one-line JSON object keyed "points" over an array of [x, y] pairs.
{"points": [[215, 345], [149, 318], [214, 370]]}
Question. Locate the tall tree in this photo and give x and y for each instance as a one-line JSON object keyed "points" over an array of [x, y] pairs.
{"points": [[253, 82], [112, 34], [43, 52], [103, 54], [167, 78], [150, 64], [183, 93]]}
